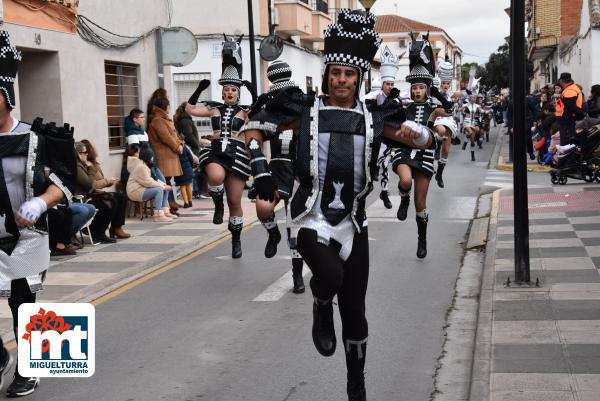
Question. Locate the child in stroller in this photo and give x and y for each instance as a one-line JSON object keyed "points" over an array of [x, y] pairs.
{"points": [[580, 159]]}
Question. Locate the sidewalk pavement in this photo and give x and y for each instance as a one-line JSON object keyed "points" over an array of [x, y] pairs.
{"points": [[542, 343], [96, 270], [503, 159]]}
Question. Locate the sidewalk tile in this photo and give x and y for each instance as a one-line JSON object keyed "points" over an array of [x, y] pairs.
{"points": [[587, 382], [580, 331], [574, 295], [525, 332], [585, 220], [116, 257], [75, 278], [532, 396], [177, 233], [573, 263], [593, 251], [93, 267], [531, 358], [531, 382], [150, 240]]}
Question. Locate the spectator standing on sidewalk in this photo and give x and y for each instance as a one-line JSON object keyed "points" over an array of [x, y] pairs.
{"points": [[594, 102], [100, 184], [165, 142], [569, 107], [184, 181]]}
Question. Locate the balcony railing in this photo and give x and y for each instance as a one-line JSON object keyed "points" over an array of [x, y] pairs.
{"points": [[320, 5]]}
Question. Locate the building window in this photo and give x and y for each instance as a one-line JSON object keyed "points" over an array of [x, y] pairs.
{"points": [[122, 95], [320, 5], [184, 86]]}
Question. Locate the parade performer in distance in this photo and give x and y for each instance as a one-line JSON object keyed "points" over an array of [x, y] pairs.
{"points": [[471, 117], [417, 165], [281, 166], [226, 163]]}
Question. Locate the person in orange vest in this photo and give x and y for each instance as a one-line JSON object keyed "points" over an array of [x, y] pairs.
{"points": [[569, 107]]}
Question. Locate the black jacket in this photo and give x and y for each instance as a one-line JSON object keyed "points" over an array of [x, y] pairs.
{"points": [[187, 127]]}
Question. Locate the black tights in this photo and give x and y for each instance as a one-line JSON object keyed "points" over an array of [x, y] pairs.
{"points": [[19, 294], [331, 276]]}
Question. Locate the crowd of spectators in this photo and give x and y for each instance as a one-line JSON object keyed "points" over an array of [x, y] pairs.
{"points": [[162, 151]]}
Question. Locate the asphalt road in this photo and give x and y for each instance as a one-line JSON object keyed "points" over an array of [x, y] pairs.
{"points": [[196, 333]]}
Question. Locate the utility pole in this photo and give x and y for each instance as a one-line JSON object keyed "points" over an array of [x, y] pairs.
{"points": [[252, 48], [518, 72]]}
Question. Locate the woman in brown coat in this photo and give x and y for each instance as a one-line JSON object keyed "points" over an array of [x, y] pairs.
{"points": [[164, 140]]}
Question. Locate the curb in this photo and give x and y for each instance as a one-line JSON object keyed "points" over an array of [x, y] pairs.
{"points": [[499, 160], [482, 357], [453, 375]]}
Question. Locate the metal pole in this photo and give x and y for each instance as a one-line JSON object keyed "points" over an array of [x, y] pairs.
{"points": [[368, 85], [270, 11], [159, 59], [521, 216], [252, 49]]}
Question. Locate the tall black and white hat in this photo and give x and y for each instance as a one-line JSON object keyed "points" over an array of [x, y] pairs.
{"points": [[352, 41], [445, 71], [279, 74], [10, 58], [389, 65], [230, 76]]}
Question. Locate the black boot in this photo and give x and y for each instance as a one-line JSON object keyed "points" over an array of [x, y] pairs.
{"points": [[438, 174], [472, 155], [274, 236], [403, 208], [323, 332], [217, 198], [355, 362], [297, 275], [383, 195], [236, 243], [464, 145], [480, 143], [422, 239]]}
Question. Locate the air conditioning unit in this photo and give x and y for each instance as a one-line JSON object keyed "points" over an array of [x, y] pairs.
{"points": [[402, 42]]}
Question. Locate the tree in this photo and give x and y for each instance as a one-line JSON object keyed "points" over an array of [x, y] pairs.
{"points": [[498, 68]]}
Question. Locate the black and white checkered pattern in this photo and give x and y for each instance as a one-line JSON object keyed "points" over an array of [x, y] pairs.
{"points": [[10, 58], [230, 77], [352, 40], [279, 71], [418, 73]]}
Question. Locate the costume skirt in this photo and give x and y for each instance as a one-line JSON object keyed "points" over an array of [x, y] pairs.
{"points": [[417, 159], [230, 153]]}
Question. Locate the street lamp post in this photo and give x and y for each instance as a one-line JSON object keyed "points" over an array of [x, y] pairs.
{"points": [[252, 48], [367, 4], [518, 76]]}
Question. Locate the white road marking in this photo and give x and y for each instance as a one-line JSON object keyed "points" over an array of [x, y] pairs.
{"points": [[279, 288]]}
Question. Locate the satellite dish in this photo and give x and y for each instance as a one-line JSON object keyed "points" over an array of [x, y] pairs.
{"points": [[179, 46], [271, 47]]}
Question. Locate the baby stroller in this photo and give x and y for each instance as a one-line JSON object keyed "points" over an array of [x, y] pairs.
{"points": [[580, 163]]}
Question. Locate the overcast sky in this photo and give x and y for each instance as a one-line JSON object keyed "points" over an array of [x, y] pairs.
{"points": [[477, 26]]}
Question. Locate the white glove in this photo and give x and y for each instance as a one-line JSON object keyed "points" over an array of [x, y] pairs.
{"points": [[421, 129], [33, 209]]}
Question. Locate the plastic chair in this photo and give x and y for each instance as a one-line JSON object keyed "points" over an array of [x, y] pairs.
{"points": [[86, 226]]}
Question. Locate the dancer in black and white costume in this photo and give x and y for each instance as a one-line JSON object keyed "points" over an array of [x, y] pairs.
{"points": [[417, 165], [226, 163], [471, 124], [443, 98], [37, 171], [281, 165], [388, 70], [338, 140]]}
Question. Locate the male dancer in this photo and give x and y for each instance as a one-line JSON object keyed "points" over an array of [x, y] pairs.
{"points": [[31, 161], [388, 70], [283, 153], [338, 140]]}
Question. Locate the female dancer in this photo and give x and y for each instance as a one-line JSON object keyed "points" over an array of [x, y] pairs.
{"points": [[225, 163]]}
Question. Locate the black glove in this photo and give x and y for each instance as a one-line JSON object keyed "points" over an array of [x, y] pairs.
{"points": [[251, 89], [265, 188], [205, 83], [258, 104]]}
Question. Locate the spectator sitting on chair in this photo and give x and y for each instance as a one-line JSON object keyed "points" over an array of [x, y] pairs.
{"points": [[85, 186], [100, 183], [59, 231], [142, 186]]}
